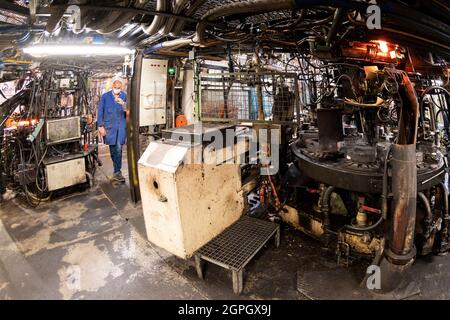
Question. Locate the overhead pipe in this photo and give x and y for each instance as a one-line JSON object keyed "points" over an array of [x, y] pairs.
{"points": [[14, 8], [167, 44], [121, 18], [55, 18], [127, 30], [112, 18], [337, 21], [179, 26], [170, 23], [158, 21]]}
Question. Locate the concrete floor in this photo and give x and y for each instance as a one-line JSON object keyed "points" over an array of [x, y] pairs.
{"points": [[92, 245]]}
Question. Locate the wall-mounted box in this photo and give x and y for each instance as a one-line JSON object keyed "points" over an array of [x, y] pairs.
{"points": [[153, 92]]}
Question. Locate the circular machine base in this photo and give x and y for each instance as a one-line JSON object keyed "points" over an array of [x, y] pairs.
{"points": [[368, 178]]}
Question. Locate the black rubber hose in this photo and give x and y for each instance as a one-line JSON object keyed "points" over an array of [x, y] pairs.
{"points": [[362, 229], [242, 7]]}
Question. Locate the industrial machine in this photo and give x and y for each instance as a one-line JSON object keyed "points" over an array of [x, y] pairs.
{"points": [[48, 135], [191, 189], [353, 97], [369, 176], [362, 145]]}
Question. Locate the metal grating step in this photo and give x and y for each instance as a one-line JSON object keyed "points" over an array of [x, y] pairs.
{"points": [[236, 246]]}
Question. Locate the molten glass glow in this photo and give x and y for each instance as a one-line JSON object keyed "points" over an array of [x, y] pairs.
{"points": [[383, 46], [22, 123]]}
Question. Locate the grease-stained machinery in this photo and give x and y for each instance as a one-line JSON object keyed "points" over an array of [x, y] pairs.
{"points": [[362, 138], [48, 135]]}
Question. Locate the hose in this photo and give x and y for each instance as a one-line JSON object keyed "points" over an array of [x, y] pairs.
{"points": [[297, 21], [362, 229], [250, 6], [433, 116]]}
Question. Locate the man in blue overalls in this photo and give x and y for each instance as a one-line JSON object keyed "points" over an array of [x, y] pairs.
{"points": [[112, 125]]}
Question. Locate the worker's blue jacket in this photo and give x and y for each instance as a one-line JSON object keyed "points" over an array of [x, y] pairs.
{"points": [[113, 118]]}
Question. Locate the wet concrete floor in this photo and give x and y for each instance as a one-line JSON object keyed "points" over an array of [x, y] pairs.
{"points": [[92, 245]]}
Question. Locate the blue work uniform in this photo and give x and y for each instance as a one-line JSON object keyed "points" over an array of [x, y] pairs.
{"points": [[112, 116]]}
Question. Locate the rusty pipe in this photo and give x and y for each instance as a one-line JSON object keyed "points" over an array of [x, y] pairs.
{"points": [[401, 249], [409, 114], [404, 190]]}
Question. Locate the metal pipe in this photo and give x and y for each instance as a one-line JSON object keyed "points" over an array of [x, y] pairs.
{"points": [[326, 208], [170, 23], [408, 124], [116, 20], [446, 218], [429, 215], [46, 11], [338, 15], [55, 18], [179, 26], [158, 21], [385, 191], [133, 127], [404, 190], [167, 44], [14, 8]]}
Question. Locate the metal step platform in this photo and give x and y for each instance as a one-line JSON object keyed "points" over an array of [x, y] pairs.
{"points": [[236, 246]]}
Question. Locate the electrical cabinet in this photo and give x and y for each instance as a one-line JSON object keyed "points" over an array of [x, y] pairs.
{"points": [[62, 174], [153, 92]]}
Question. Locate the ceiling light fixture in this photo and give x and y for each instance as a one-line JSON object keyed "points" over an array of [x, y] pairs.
{"points": [[76, 50]]}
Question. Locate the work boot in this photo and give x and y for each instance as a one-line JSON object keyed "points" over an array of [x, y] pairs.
{"points": [[118, 177]]}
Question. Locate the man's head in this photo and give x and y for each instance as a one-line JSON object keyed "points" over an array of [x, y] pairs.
{"points": [[117, 86]]}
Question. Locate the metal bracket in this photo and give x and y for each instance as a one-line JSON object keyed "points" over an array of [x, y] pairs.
{"points": [[343, 252]]}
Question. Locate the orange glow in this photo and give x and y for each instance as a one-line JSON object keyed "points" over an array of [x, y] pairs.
{"points": [[393, 54], [383, 46], [20, 124]]}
